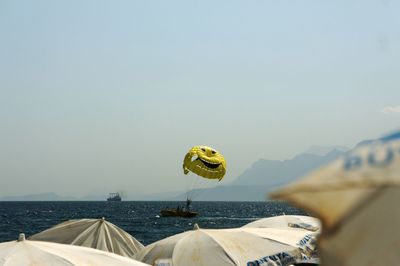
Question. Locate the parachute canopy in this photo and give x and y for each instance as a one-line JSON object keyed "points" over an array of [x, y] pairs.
{"points": [[205, 161]]}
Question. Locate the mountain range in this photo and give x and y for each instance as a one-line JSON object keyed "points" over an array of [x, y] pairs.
{"points": [[253, 184]]}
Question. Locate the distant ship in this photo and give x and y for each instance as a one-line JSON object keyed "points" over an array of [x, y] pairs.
{"points": [[114, 197]]}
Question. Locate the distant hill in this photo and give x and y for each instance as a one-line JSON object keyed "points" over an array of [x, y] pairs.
{"points": [[274, 172], [252, 185], [50, 196]]}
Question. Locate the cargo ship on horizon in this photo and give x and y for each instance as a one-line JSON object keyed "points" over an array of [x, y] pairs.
{"points": [[114, 197]]}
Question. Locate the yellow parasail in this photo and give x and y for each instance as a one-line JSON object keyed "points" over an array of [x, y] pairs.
{"points": [[206, 162]]}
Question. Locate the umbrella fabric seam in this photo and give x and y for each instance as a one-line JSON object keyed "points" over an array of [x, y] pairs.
{"points": [[223, 247]]}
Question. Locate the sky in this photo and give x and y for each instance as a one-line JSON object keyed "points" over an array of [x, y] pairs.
{"points": [[104, 96]]}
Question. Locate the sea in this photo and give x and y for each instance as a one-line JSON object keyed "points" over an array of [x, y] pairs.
{"points": [[141, 219]]}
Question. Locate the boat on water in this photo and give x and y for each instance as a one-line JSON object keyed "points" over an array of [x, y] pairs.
{"points": [[114, 197], [179, 212]]}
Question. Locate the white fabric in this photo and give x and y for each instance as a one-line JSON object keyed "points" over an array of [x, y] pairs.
{"points": [[369, 237], [94, 233], [239, 246], [334, 190], [356, 198], [288, 221], [39, 253]]}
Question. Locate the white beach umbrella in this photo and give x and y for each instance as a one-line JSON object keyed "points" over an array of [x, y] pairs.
{"points": [[38, 253], [93, 233], [356, 197], [287, 221], [232, 247]]}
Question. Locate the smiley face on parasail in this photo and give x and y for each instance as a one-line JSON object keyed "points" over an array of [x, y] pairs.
{"points": [[206, 162]]}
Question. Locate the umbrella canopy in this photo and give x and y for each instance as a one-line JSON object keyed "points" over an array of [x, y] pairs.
{"points": [[287, 221], [232, 247], [93, 233], [26, 252], [356, 198]]}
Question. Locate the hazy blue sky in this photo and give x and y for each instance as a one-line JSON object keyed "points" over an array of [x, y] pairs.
{"points": [[99, 96]]}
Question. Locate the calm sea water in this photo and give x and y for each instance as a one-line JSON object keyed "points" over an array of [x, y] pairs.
{"points": [[139, 218]]}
